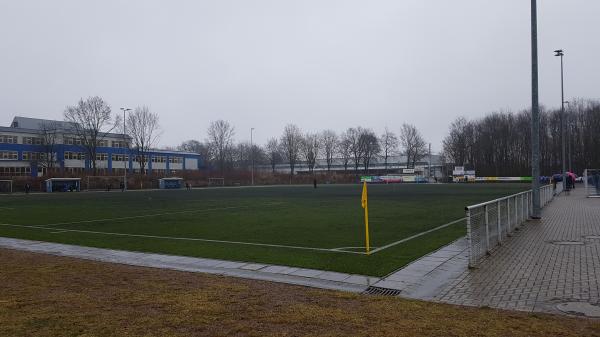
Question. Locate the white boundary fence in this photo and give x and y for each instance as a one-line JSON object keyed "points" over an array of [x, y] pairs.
{"points": [[490, 223], [591, 182]]}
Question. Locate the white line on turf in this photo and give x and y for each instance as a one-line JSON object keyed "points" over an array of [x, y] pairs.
{"points": [[148, 215], [415, 236], [9, 208], [186, 239], [57, 232]]}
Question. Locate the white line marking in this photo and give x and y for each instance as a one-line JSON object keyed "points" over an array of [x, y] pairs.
{"points": [[148, 215], [415, 236], [9, 208], [61, 231], [186, 239]]}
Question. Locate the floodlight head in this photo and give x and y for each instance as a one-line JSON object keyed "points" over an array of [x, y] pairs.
{"points": [[559, 52]]}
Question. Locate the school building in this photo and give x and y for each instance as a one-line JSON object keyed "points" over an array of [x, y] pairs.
{"points": [[32, 147]]}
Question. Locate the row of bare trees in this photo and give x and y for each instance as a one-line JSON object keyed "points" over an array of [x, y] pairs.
{"points": [[355, 148], [90, 121], [499, 143]]}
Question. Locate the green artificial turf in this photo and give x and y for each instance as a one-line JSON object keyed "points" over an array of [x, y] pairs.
{"points": [[327, 217]]}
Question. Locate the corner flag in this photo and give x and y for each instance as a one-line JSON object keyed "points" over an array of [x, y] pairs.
{"points": [[365, 204]]}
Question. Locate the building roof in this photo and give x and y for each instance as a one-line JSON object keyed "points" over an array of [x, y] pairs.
{"points": [[37, 123]]}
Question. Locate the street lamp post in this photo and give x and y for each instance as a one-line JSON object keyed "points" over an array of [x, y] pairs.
{"points": [[560, 53], [535, 117], [569, 135], [125, 143], [252, 156]]}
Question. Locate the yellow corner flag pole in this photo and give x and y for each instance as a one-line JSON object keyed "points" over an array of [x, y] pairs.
{"points": [[365, 205]]}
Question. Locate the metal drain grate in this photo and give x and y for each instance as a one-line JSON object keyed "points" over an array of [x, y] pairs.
{"points": [[381, 291]]}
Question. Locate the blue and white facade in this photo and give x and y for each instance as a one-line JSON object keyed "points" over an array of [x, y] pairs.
{"points": [[25, 151]]}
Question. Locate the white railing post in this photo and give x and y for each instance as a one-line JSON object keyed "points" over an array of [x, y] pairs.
{"points": [[499, 223], [508, 216], [469, 238], [487, 230], [527, 203], [524, 205], [516, 212]]}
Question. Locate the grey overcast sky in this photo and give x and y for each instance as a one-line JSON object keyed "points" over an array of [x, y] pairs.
{"points": [[317, 63]]}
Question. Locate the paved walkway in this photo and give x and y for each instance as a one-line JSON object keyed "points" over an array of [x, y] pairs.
{"points": [[543, 266], [427, 276], [299, 276]]}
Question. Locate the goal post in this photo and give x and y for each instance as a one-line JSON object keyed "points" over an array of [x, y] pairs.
{"points": [[6, 186], [591, 182], [103, 183], [216, 181]]}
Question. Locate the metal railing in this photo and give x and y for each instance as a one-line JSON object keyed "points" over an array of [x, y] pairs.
{"points": [[591, 182], [492, 222]]}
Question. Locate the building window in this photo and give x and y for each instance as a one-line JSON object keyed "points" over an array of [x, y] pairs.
{"points": [[9, 155], [139, 159], [175, 160], [101, 156], [32, 140], [159, 159], [119, 144], [34, 156], [15, 171], [8, 139], [103, 143], [74, 155], [72, 141], [120, 157]]}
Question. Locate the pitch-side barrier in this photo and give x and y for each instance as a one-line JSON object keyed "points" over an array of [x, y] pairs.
{"points": [[491, 223]]}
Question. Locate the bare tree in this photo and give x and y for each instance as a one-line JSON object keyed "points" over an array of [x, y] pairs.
{"points": [[49, 133], [144, 130], [389, 145], [371, 147], [344, 149], [413, 144], [195, 146], [290, 144], [329, 142], [273, 153], [356, 145], [455, 144], [310, 150], [220, 140], [90, 121]]}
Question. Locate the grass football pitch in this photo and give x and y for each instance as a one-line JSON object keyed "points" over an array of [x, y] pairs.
{"points": [[298, 226]]}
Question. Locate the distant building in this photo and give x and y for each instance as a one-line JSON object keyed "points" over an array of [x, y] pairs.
{"points": [[32, 147], [396, 165]]}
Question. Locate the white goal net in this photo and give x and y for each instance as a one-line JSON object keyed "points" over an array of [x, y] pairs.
{"points": [[6, 186], [103, 183], [216, 181], [591, 182]]}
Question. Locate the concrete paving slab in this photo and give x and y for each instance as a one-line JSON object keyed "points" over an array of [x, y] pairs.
{"points": [[333, 276], [230, 265], [362, 280], [307, 272], [253, 266]]}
